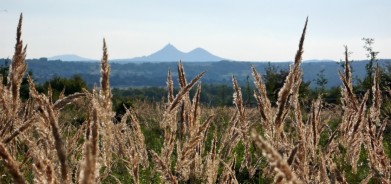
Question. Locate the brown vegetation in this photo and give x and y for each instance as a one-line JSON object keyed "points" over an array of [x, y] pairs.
{"points": [[38, 146]]}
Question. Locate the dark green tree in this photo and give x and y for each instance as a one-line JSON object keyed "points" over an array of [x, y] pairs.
{"points": [[367, 82], [321, 82], [274, 80], [69, 86]]}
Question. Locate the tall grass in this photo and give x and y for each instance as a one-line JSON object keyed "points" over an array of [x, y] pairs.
{"points": [[197, 144]]}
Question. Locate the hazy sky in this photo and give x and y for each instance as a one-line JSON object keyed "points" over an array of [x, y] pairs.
{"points": [[251, 30]]}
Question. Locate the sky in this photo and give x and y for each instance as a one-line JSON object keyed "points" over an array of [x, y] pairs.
{"points": [[247, 30]]}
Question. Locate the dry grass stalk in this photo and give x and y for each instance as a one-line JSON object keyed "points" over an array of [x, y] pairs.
{"points": [[374, 142], [62, 102], [228, 174], [90, 168], [17, 69], [275, 159], [11, 165], [315, 123], [44, 171], [170, 87], [19, 130], [186, 156], [211, 164], [131, 144], [101, 101], [237, 97], [184, 90], [50, 116], [264, 105], [290, 82], [163, 169]]}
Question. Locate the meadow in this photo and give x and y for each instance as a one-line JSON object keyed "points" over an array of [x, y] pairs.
{"points": [[78, 138]]}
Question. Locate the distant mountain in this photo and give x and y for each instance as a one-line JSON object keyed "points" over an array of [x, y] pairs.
{"points": [[69, 57], [169, 53]]}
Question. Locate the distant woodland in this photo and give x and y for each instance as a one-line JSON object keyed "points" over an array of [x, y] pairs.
{"points": [[154, 74]]}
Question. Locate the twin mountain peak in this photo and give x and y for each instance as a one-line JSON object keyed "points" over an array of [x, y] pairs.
{"points": [[168, 53]]}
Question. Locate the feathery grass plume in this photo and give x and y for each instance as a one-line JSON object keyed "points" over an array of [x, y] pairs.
{"points": [[263, 103], [50, 116], [61, 103], [186, 156], [186, 104], [238, 125], [229, 135], [17, 68], [211, 165], [355, 135], [301, 167], [4, 100], [11, 165], [105, 81], [374, 141], [184, 90], [181, 75], [19, 130], [194, 117], [103, 105], [275, 159], [315, 123], [139, 138], [323, 176], [347, 90], [43, 170], [131, 144], [228, 174], [163, 169], [170, 87], [90, 168], [291, 80], [237, 97], [376, 98], [191, 138], [169, 124]]}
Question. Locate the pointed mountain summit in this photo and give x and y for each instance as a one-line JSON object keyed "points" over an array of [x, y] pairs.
{"points": [[170, 53]]}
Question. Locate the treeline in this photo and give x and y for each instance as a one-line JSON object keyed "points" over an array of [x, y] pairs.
{"points": [[213, 94], [153, 74]]}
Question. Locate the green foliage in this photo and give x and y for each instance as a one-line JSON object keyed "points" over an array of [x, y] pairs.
{"points": [[321, 82], [69, 86], [274, 80]]}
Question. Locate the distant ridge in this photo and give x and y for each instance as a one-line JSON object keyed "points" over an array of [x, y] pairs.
{"points": [[170, 53], [70, 57]]}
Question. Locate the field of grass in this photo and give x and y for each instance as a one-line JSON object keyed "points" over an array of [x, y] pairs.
{"points": [[78, 139]]}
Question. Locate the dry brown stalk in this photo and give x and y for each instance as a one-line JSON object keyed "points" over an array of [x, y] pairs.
{"points": [[50, 116], [62, 102], [170, 87], [90, 168], [11, 165], [17, 69], [25, 126], [378, 160], [237, 97], [285, 91], [186, 156], [228, 175], [263, 102], [163, 169], [184, 90], [211, 164], [315, 122], [275, 159]]}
